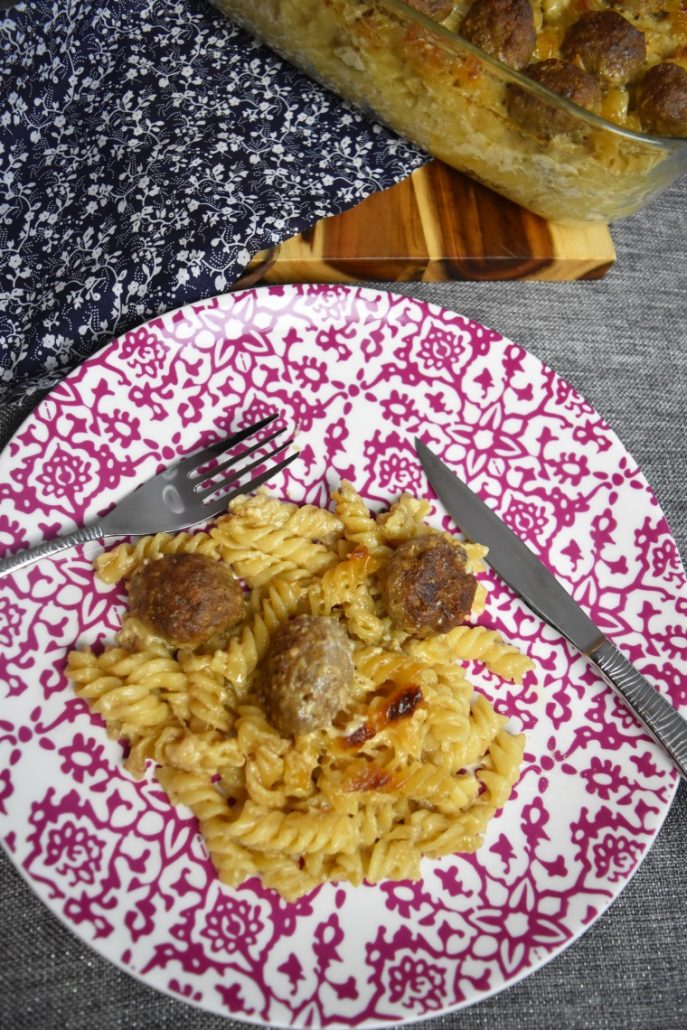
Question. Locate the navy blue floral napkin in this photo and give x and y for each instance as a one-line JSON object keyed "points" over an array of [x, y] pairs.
{"points": [[148, 148]]}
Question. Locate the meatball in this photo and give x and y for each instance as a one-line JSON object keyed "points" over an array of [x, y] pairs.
{"points": [[503, 28], [437, 10], [305, 677], [426, 586], [662, 100], [605, 44], [546, 118], [186, 598]]}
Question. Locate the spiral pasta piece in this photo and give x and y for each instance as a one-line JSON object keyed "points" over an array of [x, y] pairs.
{"points": [[315, 524], [499, 772], [306, 520], [207, 693], [436, 835], [151, 746], [239, 659], [360, 527], [475, 643], [260, 509], [291, 877], [379, 666], [254, 731], [393, 860], [120, 691], [196, 791], [404, 520], [135, 636], [484, 724], [204, 752], [122, 561], [361, 616], [237, 541], [292, 833], [89, 679], [337, 586]]}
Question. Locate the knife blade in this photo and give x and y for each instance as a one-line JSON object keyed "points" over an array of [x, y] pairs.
{"points": [[515, 563]]}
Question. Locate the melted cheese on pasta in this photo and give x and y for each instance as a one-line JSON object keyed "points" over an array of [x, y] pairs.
{"points": [[415, 765]]}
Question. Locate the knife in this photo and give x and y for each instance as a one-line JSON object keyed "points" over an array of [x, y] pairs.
{"points": [[541, 591]]}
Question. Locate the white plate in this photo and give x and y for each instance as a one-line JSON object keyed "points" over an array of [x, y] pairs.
{"points": [[361, 372]]}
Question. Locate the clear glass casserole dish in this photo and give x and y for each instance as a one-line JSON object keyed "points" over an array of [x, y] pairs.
{"points": [[425, 81]]}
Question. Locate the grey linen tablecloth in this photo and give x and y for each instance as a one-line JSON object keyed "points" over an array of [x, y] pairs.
{"points": [[622, 343]]}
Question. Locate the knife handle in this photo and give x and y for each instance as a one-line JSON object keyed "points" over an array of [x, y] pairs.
{"points": [[664, 723]]}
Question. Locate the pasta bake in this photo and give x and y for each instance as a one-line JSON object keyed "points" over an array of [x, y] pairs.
{"points": [[563, 106], [298, 677]]}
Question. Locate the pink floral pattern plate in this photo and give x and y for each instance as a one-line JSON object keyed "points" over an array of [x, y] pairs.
{"points": [[361, 373]]}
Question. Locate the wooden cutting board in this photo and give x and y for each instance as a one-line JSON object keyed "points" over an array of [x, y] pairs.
{"points": [[436, 225]]}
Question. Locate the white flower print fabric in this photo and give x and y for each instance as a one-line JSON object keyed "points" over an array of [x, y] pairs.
{"points": [[148, 148]]}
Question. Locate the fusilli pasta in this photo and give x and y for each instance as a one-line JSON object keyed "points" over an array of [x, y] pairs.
{"points": [[415, 764]]}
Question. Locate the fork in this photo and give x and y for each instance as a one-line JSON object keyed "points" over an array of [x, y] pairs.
{"points": [[177, 498]]}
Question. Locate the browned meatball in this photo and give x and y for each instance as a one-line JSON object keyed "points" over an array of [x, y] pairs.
{"points": [[186, 598], [306, 675], [662, 100], [605, 44], [437, 10], [546, 118], [426, 587], [503, 28]]}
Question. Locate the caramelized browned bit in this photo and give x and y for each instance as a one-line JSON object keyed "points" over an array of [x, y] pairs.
{"points": [[363, 775], [426, 586], [306, 675], [437, 10], [402, 703], [548, 118], [503, 28], [361, 562], [399, 704], [662, 100], [186, 598], [360, 736], [605, 44]]}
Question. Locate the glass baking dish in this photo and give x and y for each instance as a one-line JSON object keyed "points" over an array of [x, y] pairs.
{"points": [[449, 97]]}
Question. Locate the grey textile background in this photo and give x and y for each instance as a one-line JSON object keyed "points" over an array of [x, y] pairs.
{"points": [[622, 343]]}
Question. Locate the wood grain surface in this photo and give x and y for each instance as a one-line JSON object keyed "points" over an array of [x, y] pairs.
{"points": [[437, 225]]}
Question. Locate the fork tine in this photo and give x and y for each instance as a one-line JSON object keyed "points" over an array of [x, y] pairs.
{"points": [[253, 484], [215, 487], [220, 466], [196, 459]]}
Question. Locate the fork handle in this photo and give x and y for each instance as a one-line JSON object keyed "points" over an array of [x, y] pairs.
{"points": [[664, 723], [59, 543]]}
